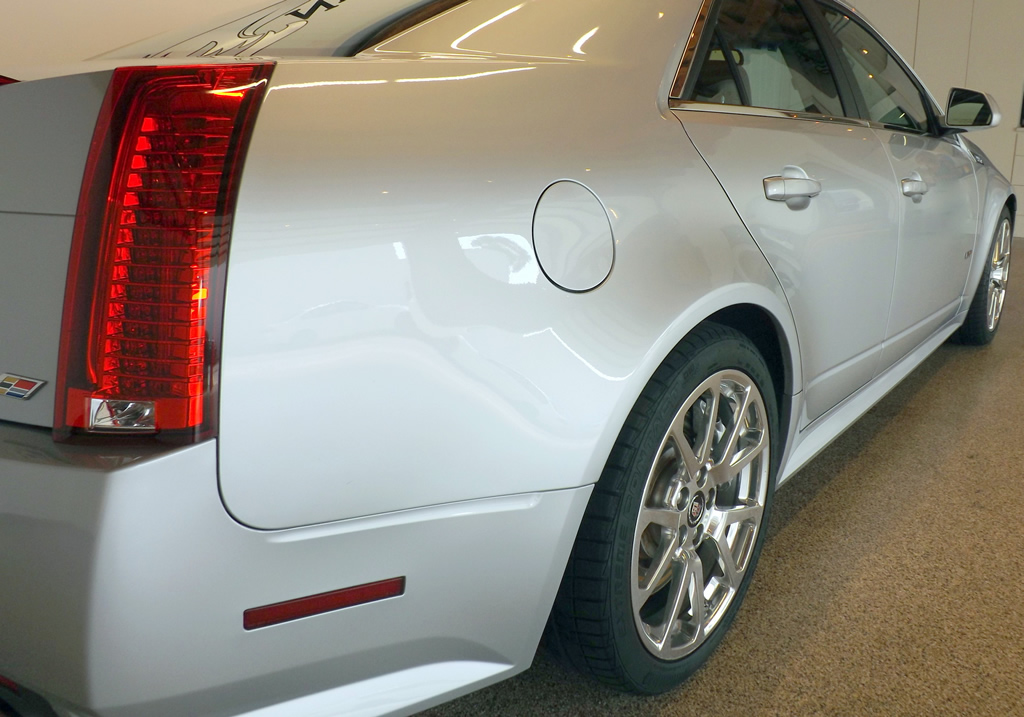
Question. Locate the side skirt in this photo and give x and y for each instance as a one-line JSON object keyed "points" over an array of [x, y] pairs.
{"points": [[806, 444]]}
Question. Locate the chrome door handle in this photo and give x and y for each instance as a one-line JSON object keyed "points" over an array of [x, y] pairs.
{"points": [[794, 187], [914, 186], [780, 189]]}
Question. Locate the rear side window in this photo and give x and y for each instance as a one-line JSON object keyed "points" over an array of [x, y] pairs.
{"points": [[890, 94], [765, 54]]}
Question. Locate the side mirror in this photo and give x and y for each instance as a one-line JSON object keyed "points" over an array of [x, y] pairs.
{"points": [[969, 110]]}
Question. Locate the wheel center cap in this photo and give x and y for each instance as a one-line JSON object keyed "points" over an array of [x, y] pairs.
{"points": [[696, 510]]}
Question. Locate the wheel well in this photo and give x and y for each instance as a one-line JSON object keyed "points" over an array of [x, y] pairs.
{"points": [[760, 327], [1011, 202]]}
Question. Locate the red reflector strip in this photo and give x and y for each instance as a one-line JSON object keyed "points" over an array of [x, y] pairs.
{"points": [[10, 684], [258, 617]]}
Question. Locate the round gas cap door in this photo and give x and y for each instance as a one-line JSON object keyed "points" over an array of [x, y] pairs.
{"points": [[573, 237]]}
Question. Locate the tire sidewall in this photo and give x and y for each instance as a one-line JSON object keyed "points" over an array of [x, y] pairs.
{"points": [[975, 330], [645, 672]]}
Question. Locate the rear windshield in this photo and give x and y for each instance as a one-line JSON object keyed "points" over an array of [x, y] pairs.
{"points": [[313, 28]]}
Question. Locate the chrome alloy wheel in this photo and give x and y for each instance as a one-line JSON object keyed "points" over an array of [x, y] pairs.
{"points": [[702, 508], [999, 271]]}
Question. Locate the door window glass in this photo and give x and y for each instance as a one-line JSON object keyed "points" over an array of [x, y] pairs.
{"points": [[892, 97], [765, 54]]}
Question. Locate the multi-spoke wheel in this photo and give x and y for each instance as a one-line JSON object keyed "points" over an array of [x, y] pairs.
{"points": [[987, 305], [670, 538], [700, 514]]}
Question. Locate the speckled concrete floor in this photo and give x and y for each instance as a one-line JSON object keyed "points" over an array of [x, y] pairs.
{"points": [[892, 578]]}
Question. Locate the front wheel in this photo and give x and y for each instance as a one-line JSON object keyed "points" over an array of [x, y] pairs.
{"points": [[668, 544], [979, 328]]}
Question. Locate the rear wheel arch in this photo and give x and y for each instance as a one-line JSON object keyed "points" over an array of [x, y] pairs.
{"points": [[592, 623], [582, 604], [766, 333]]}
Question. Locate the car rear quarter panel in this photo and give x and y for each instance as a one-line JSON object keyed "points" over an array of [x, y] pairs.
{"points": [[125, 584], [390, 340]]}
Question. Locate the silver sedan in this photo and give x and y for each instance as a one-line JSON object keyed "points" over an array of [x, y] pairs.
{"points": [[351, 345]]}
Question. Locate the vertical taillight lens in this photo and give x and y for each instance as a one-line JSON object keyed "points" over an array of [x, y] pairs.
{"points": [[144, 298]]}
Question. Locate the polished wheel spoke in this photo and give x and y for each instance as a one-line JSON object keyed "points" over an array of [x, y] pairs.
{"points": [[698, 608], [669, 518], [738, 425], [725, 471], [746, 456], [657, 575], [731, 574], [733, 532], [676, 594], [710, 415], [722, 520], [747, 438], [685, 589], [689, 458], [1005, 242], [678, 439], [995, 305], [999, 269]]}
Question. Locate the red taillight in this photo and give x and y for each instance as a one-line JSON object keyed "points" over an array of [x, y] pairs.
{"points": [[6, 80], [144, 297]]}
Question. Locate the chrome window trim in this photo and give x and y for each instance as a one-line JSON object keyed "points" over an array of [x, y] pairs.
{"points": [[896, 128], [699, 25], [692, 106], [847, 6]]}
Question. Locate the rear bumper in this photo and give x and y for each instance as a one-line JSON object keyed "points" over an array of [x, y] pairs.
{"points": [[125, 581]]}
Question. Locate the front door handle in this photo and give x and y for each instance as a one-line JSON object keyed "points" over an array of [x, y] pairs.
{"points": [[914, 186], [794, 187]]}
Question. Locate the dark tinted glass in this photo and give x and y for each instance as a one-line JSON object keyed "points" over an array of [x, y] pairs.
{"points": [[765, 54], [892, 97]]}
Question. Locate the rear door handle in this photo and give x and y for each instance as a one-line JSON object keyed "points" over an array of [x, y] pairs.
{"points": [[794, 187], [914, 186]]}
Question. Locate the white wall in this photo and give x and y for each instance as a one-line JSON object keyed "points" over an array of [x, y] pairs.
{"points": [[965, 43]]}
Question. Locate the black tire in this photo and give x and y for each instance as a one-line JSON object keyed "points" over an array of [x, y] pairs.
{"points": [[603, 622], [982, 322]]}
